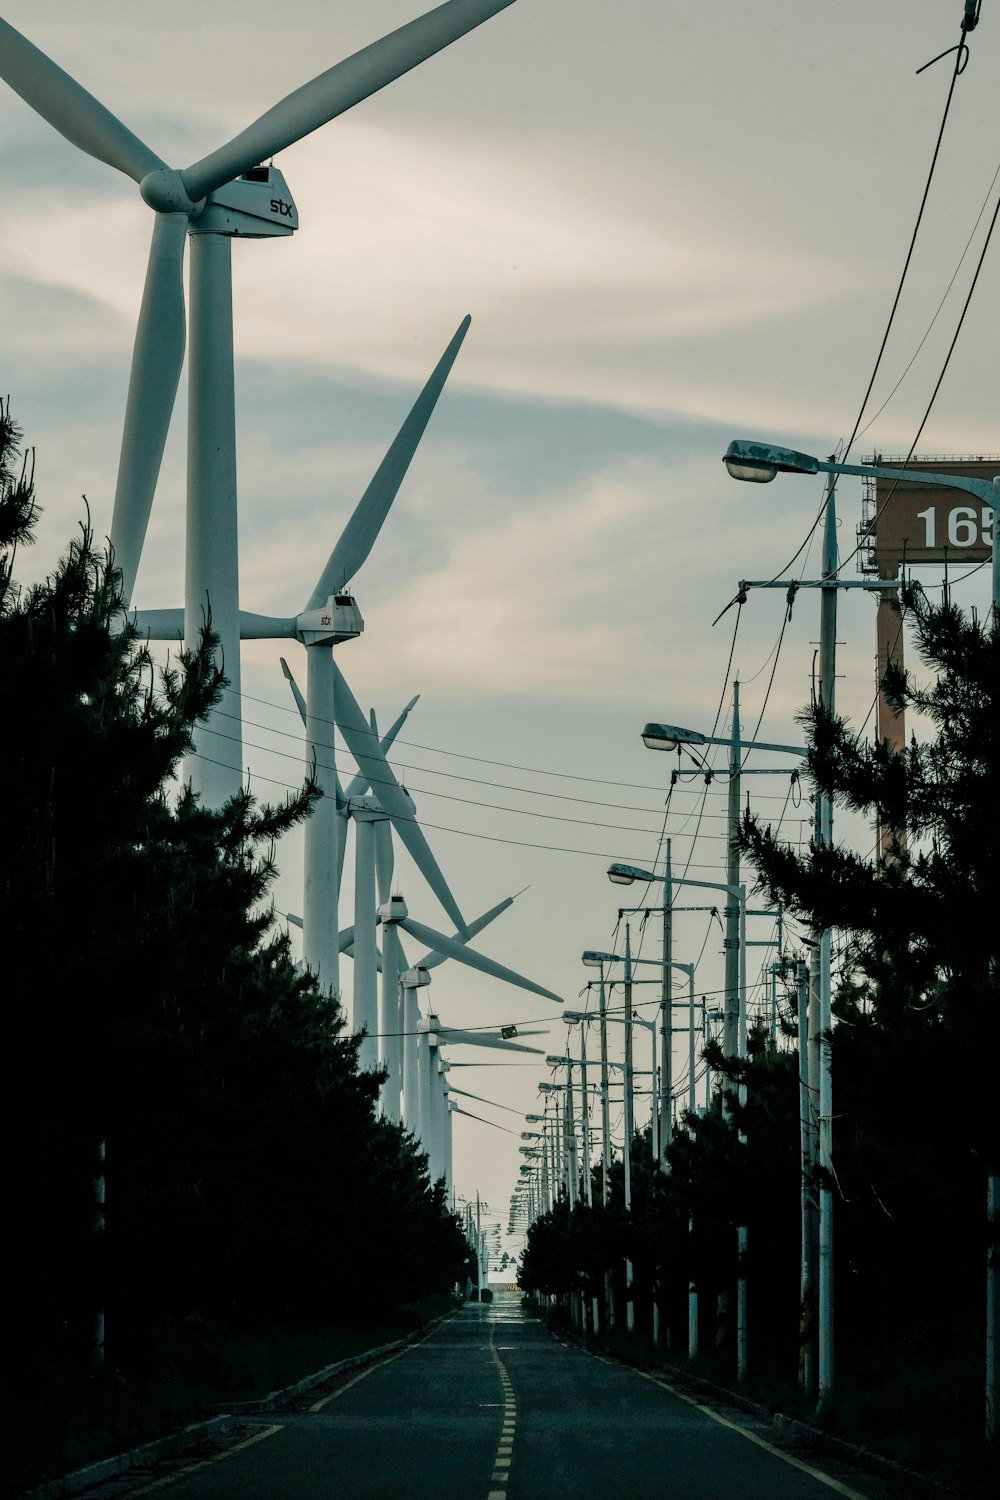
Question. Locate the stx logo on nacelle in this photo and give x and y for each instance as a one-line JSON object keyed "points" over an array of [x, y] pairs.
{"points": [[279, 206]]}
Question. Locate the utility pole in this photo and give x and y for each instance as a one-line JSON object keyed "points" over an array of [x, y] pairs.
{"points": [[605, 1100], [807, 1139], [588, 1176], [588, 1186], [569, 1137], [609, 1280], [666, 1017], [629, 1124], [730, 1035], [824, 816]]}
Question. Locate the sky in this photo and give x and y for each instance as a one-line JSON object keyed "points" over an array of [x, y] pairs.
{"points": [[672, 225]]}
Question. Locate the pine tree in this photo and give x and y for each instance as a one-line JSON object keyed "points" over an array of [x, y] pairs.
{"points": [[916, 1007]]}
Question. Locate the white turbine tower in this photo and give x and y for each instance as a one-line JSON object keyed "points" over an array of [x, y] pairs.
{"points": [[330, 616], [224, 195]]}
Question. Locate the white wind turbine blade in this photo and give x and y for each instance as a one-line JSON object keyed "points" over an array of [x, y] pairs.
{"points": [[159, 345], [384, 861], [345, 937], [457, 1109], [157, 358], [158, 624], [300, 702], [68, 107], [449, 1035], [393, 800], [452, 1065], [347, 946], [452, 948], [337, 90], [358, 536], [168, 625], [432, 958], [360, 785]]}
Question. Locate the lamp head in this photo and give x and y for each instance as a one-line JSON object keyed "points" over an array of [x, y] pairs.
{"points": [[593, 959], [620, 874], [760, 462], [573, 1017], [669, 736], [535, 1119]]}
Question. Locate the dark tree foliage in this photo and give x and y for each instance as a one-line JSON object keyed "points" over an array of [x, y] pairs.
{"points": [[724, 1171], [915, 1129], [151, 1009]]}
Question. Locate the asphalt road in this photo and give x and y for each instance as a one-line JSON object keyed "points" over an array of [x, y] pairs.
{"points": [[489, 1406]]}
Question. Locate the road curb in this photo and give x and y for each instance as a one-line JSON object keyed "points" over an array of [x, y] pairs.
{"points": [[199, 1432], [918, 1485]]}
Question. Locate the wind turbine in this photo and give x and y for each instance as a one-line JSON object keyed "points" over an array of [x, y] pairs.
{"points": [[359, 940], [224, 195], [400, 1011], [331, 616], [435, 1105]]}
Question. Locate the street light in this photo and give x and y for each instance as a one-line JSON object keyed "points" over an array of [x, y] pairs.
{"points": [[761, 462], [736, 1030], [670, 736], [625, 874], [575, 1017]]}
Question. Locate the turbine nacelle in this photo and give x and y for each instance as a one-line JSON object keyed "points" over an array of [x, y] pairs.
{"points": [[255, 206], [338, 620], [393, 911]]}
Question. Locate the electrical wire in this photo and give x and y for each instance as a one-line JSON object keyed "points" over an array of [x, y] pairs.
{"points": [[960, 53], [956, 74], [954, 276], [636, 786]]}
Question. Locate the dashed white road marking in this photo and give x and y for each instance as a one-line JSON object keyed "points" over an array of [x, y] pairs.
{"points": [[505, 1447]]}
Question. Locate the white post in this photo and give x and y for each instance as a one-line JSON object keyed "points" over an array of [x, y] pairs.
{"points": [[449, 1182], [389, 1027], [320, 922], [411, 1076], [365, 950], [211, 569], [428, 1075], [437, 1121]]}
